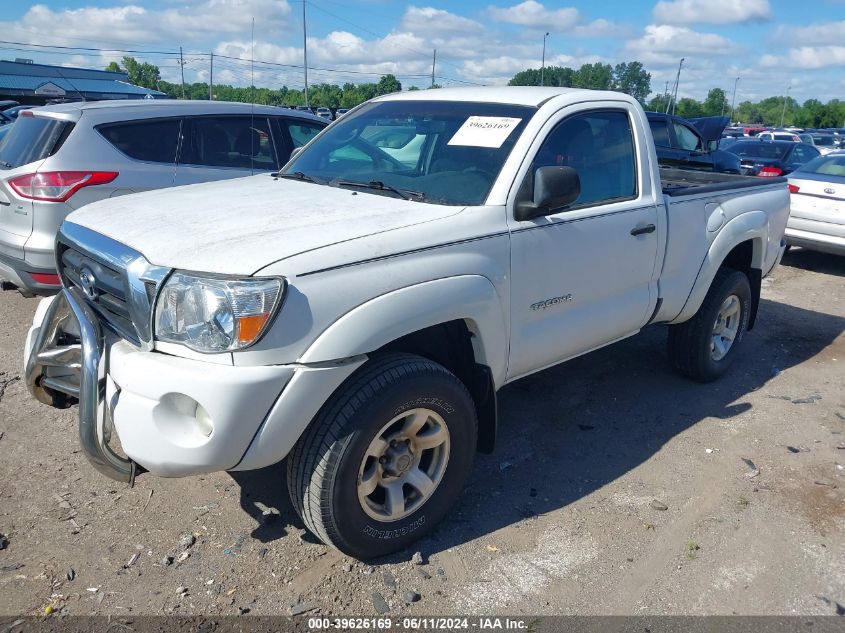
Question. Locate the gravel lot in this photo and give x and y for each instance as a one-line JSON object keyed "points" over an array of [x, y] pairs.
{"points": [[617, 488]]}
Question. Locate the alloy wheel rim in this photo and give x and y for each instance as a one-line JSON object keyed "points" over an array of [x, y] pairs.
{"points": [[726, 328], [403, 465]]}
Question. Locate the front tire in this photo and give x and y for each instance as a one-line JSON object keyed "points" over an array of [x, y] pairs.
{"points": [[704, 347], [386, 456]]}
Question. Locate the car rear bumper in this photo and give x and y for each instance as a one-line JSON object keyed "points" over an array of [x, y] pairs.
{"points": [[29, 278], [816, 240]]}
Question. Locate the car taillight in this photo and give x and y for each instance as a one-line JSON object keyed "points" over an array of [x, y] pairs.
{"points": [[770, 172], [47, 279], [793, 188], [58, 186]]}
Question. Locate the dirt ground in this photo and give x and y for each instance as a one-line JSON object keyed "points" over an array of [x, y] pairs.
{"points": [[617, 488]]}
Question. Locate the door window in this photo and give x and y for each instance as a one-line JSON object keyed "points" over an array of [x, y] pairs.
{"points": [[302, 131], [600, 147], [660, 132], [686, 138], [237, 142], [151, 141]]}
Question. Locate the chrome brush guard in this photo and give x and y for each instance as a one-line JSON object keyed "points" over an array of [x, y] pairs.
{"points": [[71, 340]]}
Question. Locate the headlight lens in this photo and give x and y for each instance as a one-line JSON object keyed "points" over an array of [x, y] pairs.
{"points": [[210, 314]]}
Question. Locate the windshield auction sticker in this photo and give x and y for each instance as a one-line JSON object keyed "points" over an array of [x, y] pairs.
{"points": [[484, 131]]}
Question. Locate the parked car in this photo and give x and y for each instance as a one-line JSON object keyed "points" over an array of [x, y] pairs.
{"points": [[340, 112], [324, 113], [6, 104], [358, 316], [771, 158], [691, 144], [753, 130], [825, 143], [817, 205], [58, 158], [780, 136], [14, 111]]}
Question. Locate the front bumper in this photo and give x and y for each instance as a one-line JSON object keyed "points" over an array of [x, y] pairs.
{"points": [[173, 416]]}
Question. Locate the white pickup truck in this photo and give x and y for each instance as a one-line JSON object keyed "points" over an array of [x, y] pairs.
{"points": [[357, 312]]}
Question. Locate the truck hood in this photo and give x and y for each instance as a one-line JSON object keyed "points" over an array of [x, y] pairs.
{"points": [[241, 226]]}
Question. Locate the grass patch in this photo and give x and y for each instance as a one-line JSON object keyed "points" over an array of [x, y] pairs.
{"points": [[692, 550]]}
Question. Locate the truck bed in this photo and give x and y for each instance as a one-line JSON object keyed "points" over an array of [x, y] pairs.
{"points": [[679, 182]]}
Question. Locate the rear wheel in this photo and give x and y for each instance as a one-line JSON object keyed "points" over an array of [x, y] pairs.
{"points": [[386, 457], [703, 348]]}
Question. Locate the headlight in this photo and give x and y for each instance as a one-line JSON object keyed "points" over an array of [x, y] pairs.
{"points": [[210, 314]]}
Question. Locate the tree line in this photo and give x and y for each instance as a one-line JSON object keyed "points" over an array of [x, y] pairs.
{"points": [[628, 77]]}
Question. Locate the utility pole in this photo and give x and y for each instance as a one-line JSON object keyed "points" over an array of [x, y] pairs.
{"points": [[733, 99], [182, 66], [433, 63], [543, 64], [677, 82], [305, 52], [211, 79], [785, 100]]}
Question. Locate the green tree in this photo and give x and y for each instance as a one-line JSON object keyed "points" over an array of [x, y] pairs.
{"points": [[716, 103], [596, 76], [388, 84], [143, 74], [632, 78]]}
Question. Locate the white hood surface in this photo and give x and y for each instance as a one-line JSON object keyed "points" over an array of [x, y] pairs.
{"points": [[241, 226]]}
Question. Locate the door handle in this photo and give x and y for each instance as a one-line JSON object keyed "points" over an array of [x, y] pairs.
{"points": [[642, 230]]}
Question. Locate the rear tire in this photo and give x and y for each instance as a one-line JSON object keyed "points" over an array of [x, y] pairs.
{"points": [[386, 457], [704, 347]]}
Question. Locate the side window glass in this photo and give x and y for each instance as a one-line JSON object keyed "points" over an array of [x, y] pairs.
{"points": [[151, 141], [687, 139], [660, 132], [600, 147], [232, 142], [798, 155], [302, 132]]}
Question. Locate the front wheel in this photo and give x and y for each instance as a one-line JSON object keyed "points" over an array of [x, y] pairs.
{"points": [[386, 457], [703, 348]]}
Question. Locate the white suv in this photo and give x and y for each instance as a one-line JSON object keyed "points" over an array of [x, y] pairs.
{"points": [[56, 159]]}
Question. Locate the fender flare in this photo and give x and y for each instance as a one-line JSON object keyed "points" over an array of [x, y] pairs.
{"points": [[371, 325], [752, 226]]}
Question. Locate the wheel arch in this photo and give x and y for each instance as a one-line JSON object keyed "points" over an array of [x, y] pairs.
{"points": [[457, 322], [740, 245]]}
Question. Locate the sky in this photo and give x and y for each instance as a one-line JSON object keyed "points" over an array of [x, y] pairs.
{"points": [[771, 45]]}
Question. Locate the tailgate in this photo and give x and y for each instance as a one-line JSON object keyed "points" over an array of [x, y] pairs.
{"points": [[15, 216]]}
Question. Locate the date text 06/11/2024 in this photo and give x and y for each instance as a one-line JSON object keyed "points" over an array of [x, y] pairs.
{"points": [[421, 623]]}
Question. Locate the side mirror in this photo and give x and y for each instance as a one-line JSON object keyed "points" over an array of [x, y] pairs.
{"points": [[554, 187], [712, 146]]}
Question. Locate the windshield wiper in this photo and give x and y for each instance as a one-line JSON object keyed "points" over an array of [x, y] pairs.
{"points": [[378, 185], [297, 175], [5, 164]]}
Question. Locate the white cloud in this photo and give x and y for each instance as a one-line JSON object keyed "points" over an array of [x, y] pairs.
{"points": [[534, 15], [428, 21], [663, 44], [813, 35], [711, 11], [136, 25], [807, 57]]}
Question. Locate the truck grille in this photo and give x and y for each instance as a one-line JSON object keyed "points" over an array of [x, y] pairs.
{"points": [[104, 288]]}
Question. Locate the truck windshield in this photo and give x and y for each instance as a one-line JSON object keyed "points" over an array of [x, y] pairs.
{"points": [[431, 151]]}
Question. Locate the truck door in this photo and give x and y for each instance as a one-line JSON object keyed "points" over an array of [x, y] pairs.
{"points": [[584, 275]]}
